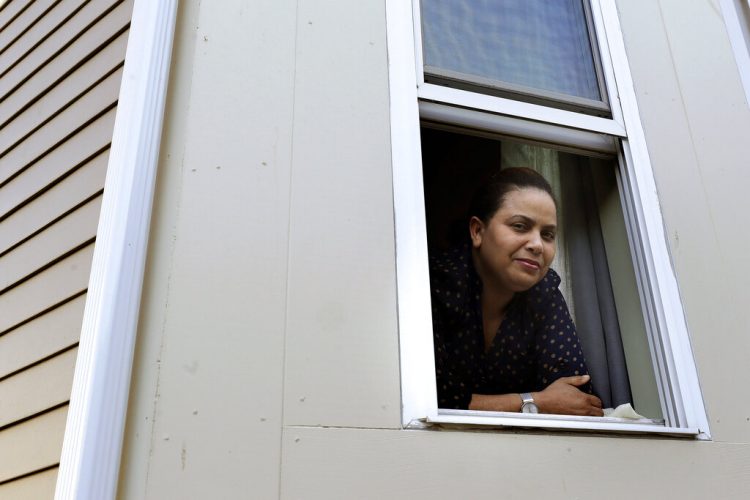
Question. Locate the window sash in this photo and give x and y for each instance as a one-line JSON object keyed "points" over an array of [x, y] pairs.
{"points": [[603, 63]]}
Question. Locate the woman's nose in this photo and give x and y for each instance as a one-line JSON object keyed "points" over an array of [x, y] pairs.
{"points": [[535, 242]]}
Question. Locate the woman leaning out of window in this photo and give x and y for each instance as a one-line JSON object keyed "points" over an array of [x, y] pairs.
{"points": [[504, 339]]}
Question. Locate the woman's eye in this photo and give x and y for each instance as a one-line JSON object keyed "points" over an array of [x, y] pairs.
{"points": [[519, 226], [549, 236]]}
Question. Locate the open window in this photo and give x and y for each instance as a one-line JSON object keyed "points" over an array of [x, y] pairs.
{"points": [[476, 86]]}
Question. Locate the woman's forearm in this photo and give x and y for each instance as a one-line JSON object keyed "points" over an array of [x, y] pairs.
{"points": [[495, 402], [562, 397]]}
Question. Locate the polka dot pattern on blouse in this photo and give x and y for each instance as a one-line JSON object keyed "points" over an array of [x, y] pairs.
{"points": [[535, 345]]}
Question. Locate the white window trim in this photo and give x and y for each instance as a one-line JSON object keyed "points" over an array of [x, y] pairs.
{"points": [[92, 446], [739, 36], [671, 343]]}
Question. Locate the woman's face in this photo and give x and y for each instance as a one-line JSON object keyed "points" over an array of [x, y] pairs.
{"points": [[515, 248]]}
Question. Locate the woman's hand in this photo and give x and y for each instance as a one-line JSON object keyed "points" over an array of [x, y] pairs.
{"points": [[563, 397]]}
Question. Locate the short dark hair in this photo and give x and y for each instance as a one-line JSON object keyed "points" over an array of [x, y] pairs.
{"points": [[490, 196]]}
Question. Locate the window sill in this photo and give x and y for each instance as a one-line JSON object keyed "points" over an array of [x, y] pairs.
{"points": [[487, 419]]}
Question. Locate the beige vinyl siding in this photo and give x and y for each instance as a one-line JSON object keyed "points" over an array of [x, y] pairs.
{"points": [[10, 11], [36, 33], [28, 14], [50, 244], [60, 71], [40, 485], [41, 337], [51, 381], [56, 167], [34, 445]]}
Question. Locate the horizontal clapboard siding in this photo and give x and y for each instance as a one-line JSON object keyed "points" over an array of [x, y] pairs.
{"points": [[10, 11], [42, 337], [59, 239], [25, 21], [60, 70], [26, 41], [49, 98], [51, 381], [78, 151], [37, 485], [91, 25], [54, 286], [38, 135], [76, 187], [36, 445], [51, 72]]}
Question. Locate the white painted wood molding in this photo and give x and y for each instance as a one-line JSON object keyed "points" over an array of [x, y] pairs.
{"points": [[92, 447]]}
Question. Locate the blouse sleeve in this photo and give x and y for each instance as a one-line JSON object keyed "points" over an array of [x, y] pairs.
{"points": [[559, 352]]}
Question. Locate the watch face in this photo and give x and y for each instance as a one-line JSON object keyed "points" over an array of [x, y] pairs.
{"points": [[530, 408]]}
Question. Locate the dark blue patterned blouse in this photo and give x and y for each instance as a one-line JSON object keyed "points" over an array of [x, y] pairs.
{"points": [[535, 345]]}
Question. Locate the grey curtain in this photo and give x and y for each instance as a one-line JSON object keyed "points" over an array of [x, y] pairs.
{"points": [[596, 315]]}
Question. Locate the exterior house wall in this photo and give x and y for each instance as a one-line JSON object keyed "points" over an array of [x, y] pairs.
{"points": [[697, 121], [209, 326], [60, 71], [267, 362]]}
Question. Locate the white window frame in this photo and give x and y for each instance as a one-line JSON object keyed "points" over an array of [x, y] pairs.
{"points": [[738, 29], [675, 370]]}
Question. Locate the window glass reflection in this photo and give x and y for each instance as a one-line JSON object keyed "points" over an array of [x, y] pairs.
{"points": [[532, 44]]}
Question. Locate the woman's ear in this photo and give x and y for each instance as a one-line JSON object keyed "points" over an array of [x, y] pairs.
{"points": [[476, 230]]}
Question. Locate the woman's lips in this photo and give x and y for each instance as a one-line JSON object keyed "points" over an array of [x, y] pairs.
{"points": [[529, 264]]}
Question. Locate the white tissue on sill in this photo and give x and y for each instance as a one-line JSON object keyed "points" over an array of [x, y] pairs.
{"points": [[622, 411]]}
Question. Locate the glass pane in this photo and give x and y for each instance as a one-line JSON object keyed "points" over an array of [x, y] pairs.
{"points": [[532, 44]]}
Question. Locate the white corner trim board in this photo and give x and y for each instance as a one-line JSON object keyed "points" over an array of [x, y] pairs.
{"points": [[92, 445]]}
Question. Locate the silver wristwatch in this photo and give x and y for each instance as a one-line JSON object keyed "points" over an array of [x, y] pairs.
{"points": [[527, 404]]}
